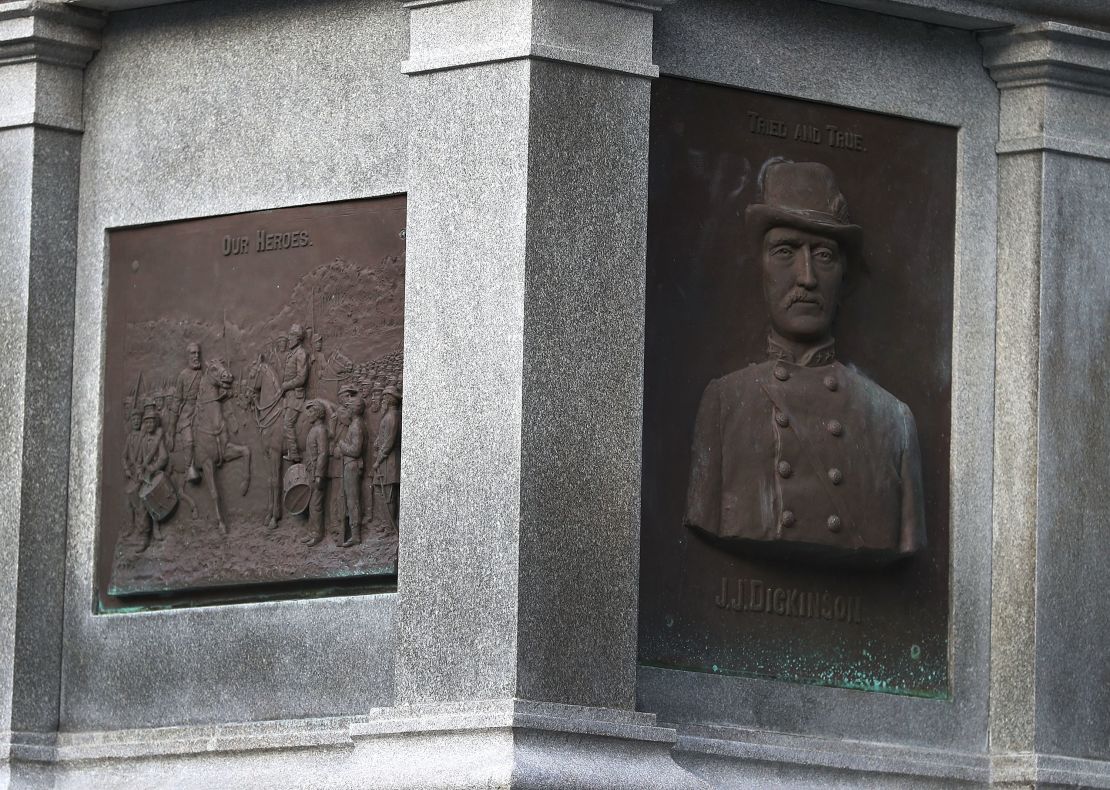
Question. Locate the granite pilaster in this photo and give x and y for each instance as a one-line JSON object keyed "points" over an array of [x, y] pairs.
{"points": [[43, 50], [524, 345], [1048, 672]]}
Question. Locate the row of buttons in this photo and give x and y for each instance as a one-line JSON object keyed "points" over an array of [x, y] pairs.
{"points": [[834, 427], [785, 470], [789, 520], [830, 381]]}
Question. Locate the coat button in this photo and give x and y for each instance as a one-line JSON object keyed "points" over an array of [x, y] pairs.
{"points": [[782, 419], [831, 383], [833, 523], [836, 476], [784, 469], [834, 427], [781, 373], [788, 518]]}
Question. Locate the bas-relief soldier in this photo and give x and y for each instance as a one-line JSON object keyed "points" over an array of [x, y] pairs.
{"points": [[316, 465], [294, 378], [152, 458], [350, 449], [183, 406], [131, 467], [316, 362], [800, 456], [387, 453]]}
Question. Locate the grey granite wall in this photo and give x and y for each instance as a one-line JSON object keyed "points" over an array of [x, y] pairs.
{"points": [[1073, 669], [1050, 670], [193, 110], [43, 50], [871, 62]]}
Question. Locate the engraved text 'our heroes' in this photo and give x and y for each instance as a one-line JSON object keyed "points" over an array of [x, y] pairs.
{"points": [[830, 135], [752, 595], [265, 241]]}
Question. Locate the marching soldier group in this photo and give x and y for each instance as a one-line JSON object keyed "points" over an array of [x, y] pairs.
{"points": [[335, 446]]}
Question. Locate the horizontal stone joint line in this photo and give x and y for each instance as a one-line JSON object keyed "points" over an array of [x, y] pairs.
{"points": [[458, 60], [862, 758], [639, 5], [1054, 144]]}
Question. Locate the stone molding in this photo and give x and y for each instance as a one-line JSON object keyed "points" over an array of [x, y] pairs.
{"points": [[1055, 85], [610, 35], [37, 31], [510, 742], [44, 48], [513, 713]]}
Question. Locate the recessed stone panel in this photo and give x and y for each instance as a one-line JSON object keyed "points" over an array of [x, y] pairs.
{"points": [[797, 391]]}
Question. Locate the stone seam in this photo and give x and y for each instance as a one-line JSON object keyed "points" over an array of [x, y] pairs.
{"points": [[1054, 144], [457, 60], [639, 6], [845, 755]]}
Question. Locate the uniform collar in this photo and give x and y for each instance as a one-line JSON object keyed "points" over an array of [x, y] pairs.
{"points": [[813, 357]]}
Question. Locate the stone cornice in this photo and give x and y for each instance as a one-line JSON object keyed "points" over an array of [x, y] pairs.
{"points": [[1049, 54], [646, 5], [51, 43], [1055, 86], [39, 31], [609, 35]]}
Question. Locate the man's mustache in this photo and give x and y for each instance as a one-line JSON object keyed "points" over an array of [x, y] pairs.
{"points": [[802, 295]]}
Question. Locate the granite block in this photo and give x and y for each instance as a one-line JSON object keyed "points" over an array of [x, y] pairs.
{"points": [[16, 177], [494, 743], [194, 110], [464, 316], [1072, 692], [871, 62], [610, 36], [525, 330], [41, 51], [1048, 678], [583, 386], [1014, 560]]}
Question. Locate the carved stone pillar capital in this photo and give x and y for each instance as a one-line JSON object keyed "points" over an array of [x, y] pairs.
{"points": [[44, 48], [611, 35], [1055, 86]]}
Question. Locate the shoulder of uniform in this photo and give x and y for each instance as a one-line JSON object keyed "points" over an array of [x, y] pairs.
{"points": [[743, 377], [875, 393]]}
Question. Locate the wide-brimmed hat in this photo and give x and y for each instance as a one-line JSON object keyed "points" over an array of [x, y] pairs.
{"points": [[803, 195]]}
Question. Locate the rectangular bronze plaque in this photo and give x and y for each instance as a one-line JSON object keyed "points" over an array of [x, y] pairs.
{"points": [[253, 386], [797, 391]]}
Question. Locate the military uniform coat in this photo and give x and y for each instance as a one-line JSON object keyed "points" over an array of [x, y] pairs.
{"points": [[387, 448], [811, 461], [294, 376]]}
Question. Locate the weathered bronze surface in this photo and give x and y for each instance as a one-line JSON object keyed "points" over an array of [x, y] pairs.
{"points": [[253, 384], [811, 476], [800, 456]]}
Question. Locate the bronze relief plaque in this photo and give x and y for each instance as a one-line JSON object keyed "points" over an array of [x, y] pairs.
{"points": [[253, 396], [797, 391]]}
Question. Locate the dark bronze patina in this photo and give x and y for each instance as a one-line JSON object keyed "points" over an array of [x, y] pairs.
{"points": [[253, 366], [800, 456], [806, 557]]}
